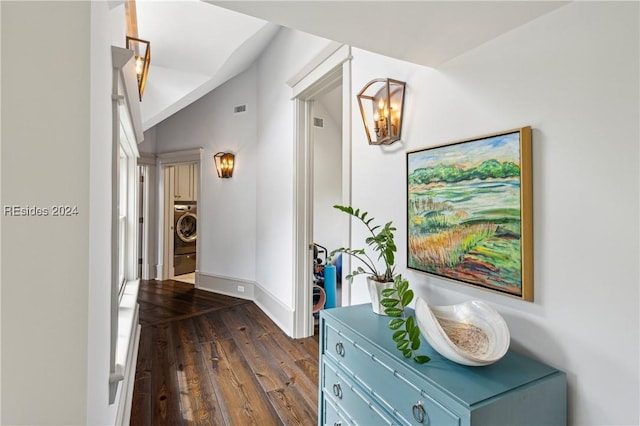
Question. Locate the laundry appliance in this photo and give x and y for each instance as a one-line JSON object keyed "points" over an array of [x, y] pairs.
{"points": [[184, 239]]}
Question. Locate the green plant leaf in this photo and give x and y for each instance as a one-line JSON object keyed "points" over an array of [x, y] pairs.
{"points": [[402, 345], [396, 323], [422, 359], [393, 312], [400, 334], [407, 353], [407, 297], [410, 323], [389, 303], [414, 333], [388, 292], [415, 344], [402, 287]]}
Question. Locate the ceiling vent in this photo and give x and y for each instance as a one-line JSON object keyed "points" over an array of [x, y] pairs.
{"points": [[239, 109], [318, 122]]}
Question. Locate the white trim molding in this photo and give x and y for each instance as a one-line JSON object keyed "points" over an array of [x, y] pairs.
{"points": [[274, 308], [126, 135], [235, 287], [325, 72], [177, 157]]}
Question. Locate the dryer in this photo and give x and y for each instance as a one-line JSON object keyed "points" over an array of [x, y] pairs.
{"points": [[185, 223]]}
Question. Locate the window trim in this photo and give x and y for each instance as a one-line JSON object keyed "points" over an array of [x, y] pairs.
{"points": [[126, 134]]}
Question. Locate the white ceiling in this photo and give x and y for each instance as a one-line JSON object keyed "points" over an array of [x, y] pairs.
{"points": [[196, 45], [424, 32]]}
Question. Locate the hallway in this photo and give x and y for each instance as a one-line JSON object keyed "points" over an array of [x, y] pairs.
{"points": [[206, 358]]}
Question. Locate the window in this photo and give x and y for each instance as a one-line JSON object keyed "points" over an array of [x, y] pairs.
{"points": [[122, 218], [127, 133]]}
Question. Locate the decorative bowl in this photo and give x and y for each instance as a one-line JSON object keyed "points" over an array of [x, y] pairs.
{"points": [[470, 333]]}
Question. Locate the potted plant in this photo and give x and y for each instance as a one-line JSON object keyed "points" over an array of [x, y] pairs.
{"points": [[380, 241], [390, 294]]}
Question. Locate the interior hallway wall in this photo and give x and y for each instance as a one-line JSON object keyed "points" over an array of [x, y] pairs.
{"points": [[571, 75], [55, 286], [226, 207], [287, 54]]}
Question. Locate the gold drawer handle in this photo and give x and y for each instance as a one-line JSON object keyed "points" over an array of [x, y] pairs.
{"points": [[337, 390], [340, 348], [419, 414]]}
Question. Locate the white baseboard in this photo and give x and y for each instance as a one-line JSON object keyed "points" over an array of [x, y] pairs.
{"points": [[235, 287], [277, 311], [159, 268]]}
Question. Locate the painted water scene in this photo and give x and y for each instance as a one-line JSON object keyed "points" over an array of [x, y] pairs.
{"points": [[469, 212]]}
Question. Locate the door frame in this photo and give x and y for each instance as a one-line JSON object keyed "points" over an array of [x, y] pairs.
{"points": [[330, 68], [148, 163], [165, 210]]}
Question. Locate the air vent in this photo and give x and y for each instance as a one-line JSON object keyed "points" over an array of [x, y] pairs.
{"points": [[239, 109], [318, 122]]}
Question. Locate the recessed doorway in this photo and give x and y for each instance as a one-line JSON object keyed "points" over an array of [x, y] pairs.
{"points": [[178, 226], [331, 70], [328, 235]]}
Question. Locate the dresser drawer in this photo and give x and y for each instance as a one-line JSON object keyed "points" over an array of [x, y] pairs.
{"points": [[356, 405], [408, 401], [340, 345], [406, 397], [331, 415]]}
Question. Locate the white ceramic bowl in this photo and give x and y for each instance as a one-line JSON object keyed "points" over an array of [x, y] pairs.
{"points": [[470, 333]]}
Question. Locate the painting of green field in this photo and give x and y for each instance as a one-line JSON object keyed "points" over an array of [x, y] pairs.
{"points": [[464, 212]]}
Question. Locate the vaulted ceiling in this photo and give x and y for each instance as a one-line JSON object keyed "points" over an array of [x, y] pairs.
{"points": [[198, 45], [195, 47]]}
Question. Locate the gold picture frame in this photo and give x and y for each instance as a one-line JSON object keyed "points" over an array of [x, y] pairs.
{"points": [[470, 212]]}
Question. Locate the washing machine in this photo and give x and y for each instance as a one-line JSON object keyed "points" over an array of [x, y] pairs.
{"points": [[185, 217]]}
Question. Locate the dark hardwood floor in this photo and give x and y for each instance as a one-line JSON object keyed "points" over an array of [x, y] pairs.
{"points": [[210, 359]]}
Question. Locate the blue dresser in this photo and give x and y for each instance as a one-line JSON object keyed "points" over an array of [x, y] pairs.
{"points": [[364, 380]]}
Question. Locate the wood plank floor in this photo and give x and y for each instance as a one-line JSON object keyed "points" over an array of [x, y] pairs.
{"points": [[210, 359]]}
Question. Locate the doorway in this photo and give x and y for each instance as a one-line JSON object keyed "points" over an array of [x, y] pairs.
{"points": [[178, 229], [331, 70], [327, 234]]}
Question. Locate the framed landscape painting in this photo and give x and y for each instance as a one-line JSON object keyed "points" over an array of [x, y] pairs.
{"points": [[469, 212]]}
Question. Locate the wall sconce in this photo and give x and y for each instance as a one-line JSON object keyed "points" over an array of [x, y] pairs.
{"points": [[384, 97], [142, 53], [224, 164]]}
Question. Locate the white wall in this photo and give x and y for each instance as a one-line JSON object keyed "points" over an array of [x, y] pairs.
{"points": [[288, 53], [327, 177], [99, 285], [227, 207], [148, 145], [573, 76], [56, 149], [45, 260]]}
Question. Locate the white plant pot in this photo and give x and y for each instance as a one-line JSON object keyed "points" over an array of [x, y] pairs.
{"points": [[375, 292]]}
